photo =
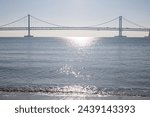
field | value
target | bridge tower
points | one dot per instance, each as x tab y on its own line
120	26
29	28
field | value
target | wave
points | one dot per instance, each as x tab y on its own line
77	89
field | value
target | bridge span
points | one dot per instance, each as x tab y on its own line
120	28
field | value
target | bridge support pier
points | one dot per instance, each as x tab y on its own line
29	29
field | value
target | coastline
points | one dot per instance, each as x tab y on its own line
48	96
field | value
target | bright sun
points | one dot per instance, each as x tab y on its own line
80	41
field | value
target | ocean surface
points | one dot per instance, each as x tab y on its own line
75	66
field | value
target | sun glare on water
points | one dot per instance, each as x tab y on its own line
80	41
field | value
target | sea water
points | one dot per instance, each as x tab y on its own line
75	65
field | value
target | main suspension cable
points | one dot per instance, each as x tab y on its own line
14	21
47	22
104	22
133	23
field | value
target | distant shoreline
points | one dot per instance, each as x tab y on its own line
85	36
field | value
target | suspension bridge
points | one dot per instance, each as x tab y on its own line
97	27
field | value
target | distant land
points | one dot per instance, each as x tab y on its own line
116	37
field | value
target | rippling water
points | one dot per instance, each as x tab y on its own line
75	65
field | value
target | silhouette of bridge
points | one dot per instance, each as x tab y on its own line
97	27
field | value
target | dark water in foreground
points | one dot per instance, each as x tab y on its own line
88	66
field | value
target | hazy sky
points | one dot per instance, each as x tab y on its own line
75	13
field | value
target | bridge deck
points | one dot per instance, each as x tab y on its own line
74	28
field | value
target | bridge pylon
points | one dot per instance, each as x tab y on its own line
120	26
29	28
